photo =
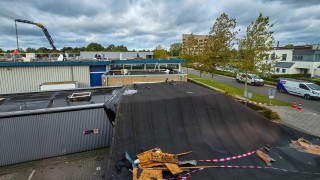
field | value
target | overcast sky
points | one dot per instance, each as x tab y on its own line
144	24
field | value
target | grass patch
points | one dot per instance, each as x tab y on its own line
230	90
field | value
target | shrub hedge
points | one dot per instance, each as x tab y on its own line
264	112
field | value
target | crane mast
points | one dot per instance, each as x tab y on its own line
44	29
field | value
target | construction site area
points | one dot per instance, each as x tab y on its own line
169	130
125	116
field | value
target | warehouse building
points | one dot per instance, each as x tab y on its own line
17	77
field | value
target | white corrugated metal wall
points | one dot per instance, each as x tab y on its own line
22	79
37	136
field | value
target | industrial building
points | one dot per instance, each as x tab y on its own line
17	77
39	125
116	55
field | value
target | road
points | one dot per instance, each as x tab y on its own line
313	105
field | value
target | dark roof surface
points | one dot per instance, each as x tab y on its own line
50	99
284	64
186	117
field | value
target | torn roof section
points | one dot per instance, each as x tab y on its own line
181	117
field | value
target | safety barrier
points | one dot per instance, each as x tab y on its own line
252	102
188	174
228	158
294	104
299	106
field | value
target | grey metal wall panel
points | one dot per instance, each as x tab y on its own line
22	79
82	75
125	55
27	138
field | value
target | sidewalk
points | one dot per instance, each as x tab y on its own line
304	120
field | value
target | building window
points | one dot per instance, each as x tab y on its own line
273	56
277	70
284	57
283	70
298	57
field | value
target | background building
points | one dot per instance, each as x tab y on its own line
202	40
17	77
296	60
116	55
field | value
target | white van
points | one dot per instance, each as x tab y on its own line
305	89
252	79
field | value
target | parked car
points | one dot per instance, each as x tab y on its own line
252	79
308	90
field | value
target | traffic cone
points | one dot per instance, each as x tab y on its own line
299	107
294	104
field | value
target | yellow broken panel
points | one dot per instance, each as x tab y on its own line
306	146
152	164
156	157
164	157
173	168
266	158
146	174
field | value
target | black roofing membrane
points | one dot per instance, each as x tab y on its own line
180	117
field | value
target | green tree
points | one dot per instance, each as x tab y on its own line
77	50
94	47
160	53
255	45
218	49
121	48
43	50
111	47
31	50
190	50
175	49
68	49
289	46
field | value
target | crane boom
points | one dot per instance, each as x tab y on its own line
44	29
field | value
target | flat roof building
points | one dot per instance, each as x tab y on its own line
17	77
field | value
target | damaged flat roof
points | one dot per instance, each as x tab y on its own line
51	99
180	117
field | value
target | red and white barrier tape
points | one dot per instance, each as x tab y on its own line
246	167
228	158
252	102
187	175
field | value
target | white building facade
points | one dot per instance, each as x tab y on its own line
291	61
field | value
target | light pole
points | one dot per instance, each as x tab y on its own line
17	35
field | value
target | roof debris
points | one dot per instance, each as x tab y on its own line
150	164
266	158
306	146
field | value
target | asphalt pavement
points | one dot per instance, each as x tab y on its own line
311	105
80	166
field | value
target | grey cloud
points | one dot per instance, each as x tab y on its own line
146	24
